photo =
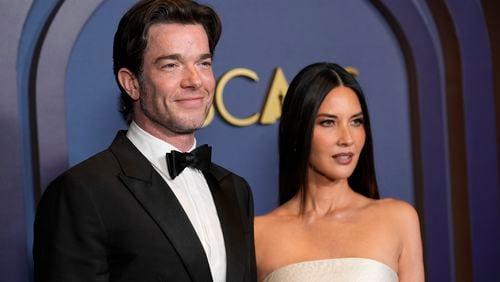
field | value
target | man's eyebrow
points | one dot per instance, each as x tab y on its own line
205	56
175	57
178	57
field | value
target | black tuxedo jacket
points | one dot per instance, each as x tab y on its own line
113	218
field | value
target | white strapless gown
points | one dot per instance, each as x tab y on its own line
334	270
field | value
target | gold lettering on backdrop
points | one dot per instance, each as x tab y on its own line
219	101
271	111
352	70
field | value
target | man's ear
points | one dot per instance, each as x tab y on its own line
129	83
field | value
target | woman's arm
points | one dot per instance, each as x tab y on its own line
411	266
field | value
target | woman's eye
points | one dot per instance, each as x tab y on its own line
358	122
327	122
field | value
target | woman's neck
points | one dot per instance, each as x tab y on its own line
322	200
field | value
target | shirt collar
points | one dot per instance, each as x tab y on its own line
153	148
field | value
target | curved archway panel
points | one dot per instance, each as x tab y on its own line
481	136
53	60
419	32
13	219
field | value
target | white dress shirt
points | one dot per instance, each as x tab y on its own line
192	192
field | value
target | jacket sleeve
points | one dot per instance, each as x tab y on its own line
69	235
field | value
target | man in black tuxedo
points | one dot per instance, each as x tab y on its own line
144	210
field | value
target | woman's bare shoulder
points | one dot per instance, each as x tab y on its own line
398	207
403	217
261	221
274	223
397	212
279	214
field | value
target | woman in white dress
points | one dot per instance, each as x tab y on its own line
331	224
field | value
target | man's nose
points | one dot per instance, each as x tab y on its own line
191	78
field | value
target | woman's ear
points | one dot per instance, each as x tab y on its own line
129	83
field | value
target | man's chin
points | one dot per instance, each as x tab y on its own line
185	131
187	128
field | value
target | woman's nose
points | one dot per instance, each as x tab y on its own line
345	136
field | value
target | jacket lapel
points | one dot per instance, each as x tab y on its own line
230	217
159	201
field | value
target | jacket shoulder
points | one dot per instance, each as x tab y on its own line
221	172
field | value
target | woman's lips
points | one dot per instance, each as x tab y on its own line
343	158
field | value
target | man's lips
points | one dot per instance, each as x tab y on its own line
191	101
190	98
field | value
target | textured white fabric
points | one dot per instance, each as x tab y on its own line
193	193
334	270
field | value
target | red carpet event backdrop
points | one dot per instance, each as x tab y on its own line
430	71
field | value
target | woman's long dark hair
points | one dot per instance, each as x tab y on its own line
304	96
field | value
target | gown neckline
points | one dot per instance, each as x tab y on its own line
305	262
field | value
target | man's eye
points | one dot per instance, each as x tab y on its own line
169	66
206	64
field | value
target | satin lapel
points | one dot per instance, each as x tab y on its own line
231	222
160	203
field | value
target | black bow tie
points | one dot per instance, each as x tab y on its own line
198	158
